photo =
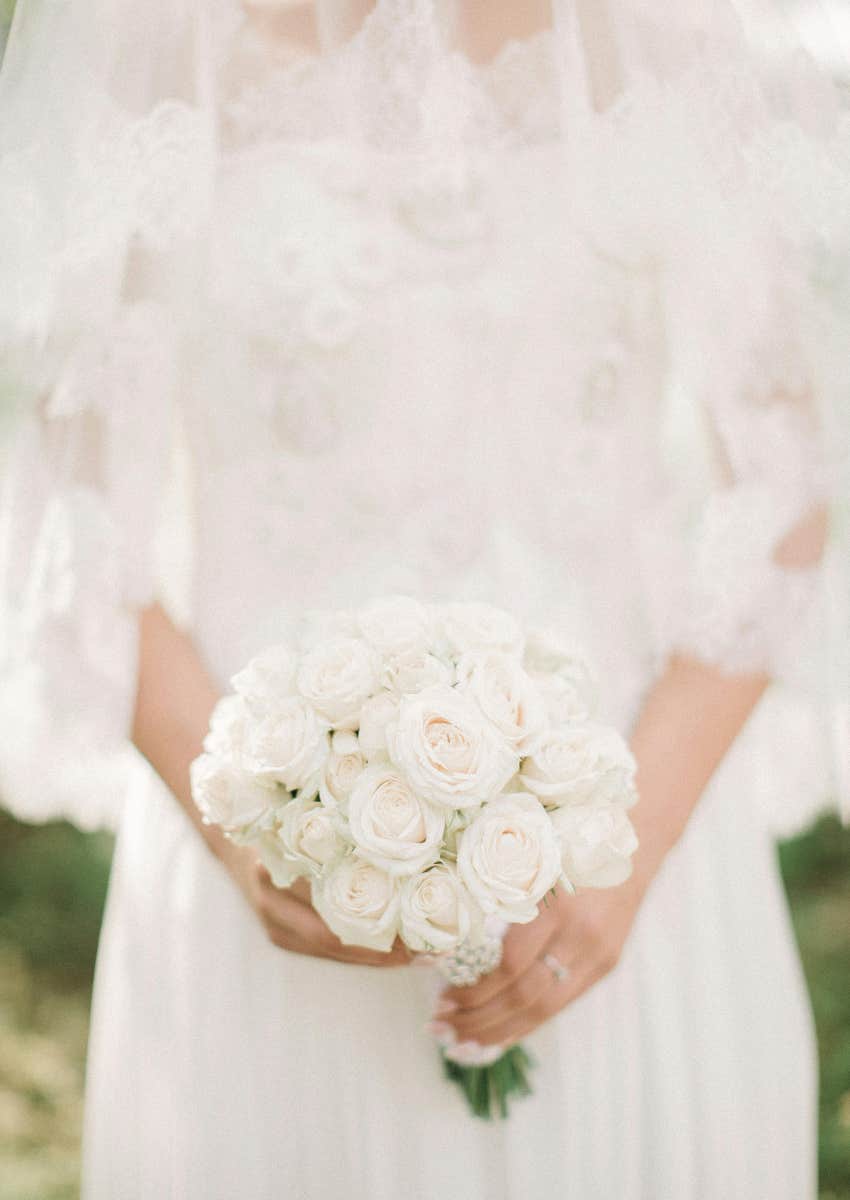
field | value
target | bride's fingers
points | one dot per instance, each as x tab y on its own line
523	993
555	996
522	945
302	890
289	912
292	924
281	907
398	956
350	955
329	946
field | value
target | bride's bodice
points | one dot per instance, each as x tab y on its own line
409	380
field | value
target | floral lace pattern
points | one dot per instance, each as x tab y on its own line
150	176
740	607
430	355
512	100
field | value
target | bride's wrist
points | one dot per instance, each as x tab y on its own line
648	859
219	845
659	821
214	838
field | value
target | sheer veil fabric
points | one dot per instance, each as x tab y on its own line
698	143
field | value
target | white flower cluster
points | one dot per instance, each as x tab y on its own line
425	766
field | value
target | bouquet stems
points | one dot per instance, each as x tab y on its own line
488	1089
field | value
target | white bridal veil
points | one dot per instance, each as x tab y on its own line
698	140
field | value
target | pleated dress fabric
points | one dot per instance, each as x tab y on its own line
221	1066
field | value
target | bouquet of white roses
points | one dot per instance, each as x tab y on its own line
435	771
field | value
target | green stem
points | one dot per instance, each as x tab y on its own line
488	1089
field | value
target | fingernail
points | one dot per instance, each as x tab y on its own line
439	1029
445	1006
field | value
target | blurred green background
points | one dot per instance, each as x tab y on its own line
52	885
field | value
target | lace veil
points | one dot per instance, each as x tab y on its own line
699	141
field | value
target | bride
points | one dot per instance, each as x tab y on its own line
512	303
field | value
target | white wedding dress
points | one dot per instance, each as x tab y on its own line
391	383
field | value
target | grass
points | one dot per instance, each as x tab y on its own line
816	868
52	886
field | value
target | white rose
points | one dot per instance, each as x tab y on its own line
227	795
584	764
267	679
226	735
341	769
337	677
563	675
413	672
448	752
282	868
360	903
565	703
505	694
377	714
390	826
437	911
509	857
395	625
470	626
597	844
290	746
310	832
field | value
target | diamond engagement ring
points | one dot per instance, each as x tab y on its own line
557	968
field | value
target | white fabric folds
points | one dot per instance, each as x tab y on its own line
696	148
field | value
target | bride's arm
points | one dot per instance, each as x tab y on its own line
175	698
688	722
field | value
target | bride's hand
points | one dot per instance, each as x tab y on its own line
291	922
688	721
578	938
